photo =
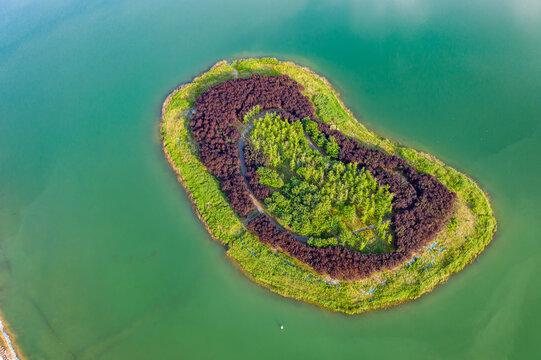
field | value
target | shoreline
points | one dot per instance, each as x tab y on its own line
9	350
384	143
169	159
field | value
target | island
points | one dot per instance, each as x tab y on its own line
309	202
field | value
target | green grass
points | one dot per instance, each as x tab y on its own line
450	252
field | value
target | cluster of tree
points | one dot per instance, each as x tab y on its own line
329	143
254	159
323	242
281	141
248	116
269	177
320	191
421	203
302	207
214	125
336	261
352	240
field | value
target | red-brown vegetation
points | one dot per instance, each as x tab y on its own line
421	203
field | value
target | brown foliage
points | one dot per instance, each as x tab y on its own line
421	203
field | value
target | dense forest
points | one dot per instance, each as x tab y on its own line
320	197
420	203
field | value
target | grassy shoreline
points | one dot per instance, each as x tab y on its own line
448	254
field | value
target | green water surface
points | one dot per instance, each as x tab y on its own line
101	256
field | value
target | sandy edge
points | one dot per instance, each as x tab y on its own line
5	352
236	263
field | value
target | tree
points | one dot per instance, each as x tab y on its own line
348	211
269	177
332	148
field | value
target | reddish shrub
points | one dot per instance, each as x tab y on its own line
421	204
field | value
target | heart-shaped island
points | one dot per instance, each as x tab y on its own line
309	202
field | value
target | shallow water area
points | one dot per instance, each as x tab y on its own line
101	256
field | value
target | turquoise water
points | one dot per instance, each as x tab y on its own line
101	256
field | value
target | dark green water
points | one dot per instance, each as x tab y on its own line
100	254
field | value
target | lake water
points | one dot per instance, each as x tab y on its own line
101	256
